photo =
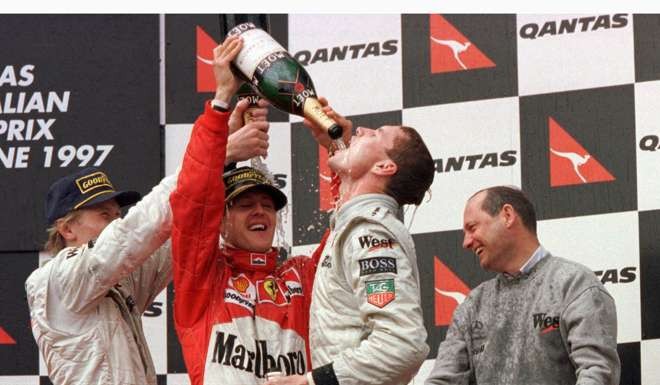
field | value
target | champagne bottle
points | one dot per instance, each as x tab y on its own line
280	78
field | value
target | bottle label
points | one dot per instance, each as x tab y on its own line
258	46
314	112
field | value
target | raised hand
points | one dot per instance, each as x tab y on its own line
225	81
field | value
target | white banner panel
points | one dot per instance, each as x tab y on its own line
647	127
570	52
474	145
650	357
354	60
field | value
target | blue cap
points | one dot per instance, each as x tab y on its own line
83	188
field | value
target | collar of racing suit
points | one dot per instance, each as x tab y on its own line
247	260
380	203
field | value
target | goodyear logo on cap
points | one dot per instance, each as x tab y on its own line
246	175
92	181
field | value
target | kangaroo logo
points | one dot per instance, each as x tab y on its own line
567	166
455	47
451	51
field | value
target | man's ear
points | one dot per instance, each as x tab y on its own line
509	214
385	167
223	225
66	231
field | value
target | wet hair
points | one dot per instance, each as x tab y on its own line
498	196
415	168
56	242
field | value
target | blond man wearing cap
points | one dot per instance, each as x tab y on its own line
86	303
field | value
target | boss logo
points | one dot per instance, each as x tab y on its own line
376	265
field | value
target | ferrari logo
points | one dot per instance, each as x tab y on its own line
271	288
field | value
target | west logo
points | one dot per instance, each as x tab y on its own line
377	265
355	51
470	162
451	51
368	241
583	24
626	275
450	291
226	351
570	163
205	46
545	322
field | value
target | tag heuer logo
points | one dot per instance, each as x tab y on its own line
380	292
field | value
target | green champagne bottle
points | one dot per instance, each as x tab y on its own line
280	78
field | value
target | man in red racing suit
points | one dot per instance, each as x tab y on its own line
237	314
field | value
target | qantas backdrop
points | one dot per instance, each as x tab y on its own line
564	106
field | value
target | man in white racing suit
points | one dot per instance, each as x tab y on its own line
86	303
366	324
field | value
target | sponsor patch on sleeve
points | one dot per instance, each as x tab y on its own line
371	243
380	292
375	265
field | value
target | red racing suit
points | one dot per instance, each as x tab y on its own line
236	313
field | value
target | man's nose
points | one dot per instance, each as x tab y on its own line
259	208
467	241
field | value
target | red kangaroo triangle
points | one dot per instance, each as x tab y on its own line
5	338
205	46
570	163
451	51
453	291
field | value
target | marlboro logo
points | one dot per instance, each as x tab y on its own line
380	292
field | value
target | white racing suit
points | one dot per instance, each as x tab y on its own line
366	324
86	303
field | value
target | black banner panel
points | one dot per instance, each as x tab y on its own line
579	151
75	91
456	58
